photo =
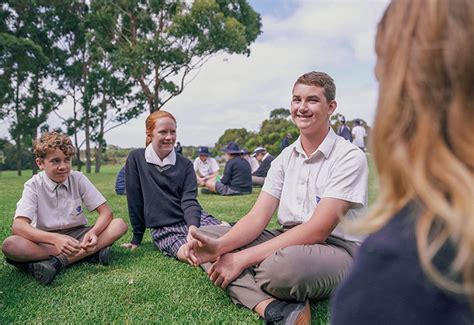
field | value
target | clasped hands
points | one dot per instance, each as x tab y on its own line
70	246
203	249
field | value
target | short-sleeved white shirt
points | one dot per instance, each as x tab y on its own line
51	206
359	134
208	167
254	164
337	169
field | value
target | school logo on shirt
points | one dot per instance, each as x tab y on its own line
318	199
78	210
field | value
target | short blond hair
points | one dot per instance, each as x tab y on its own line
51	141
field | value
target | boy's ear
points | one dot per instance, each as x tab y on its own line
39	163
332	107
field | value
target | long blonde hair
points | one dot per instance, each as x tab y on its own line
422	138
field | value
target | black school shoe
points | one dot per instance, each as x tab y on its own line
43	271
103	257
288	313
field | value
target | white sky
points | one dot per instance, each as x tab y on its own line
235	91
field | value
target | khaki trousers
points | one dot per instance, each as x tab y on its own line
291	273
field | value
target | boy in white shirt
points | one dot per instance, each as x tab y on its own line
50	229
314	183
205	166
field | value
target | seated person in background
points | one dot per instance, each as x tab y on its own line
161	190
237	178
205	166
265	159
120	182
50	229
252	161
314	183
417	266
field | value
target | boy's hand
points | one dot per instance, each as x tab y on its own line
225	270
129	246
66	244
89	242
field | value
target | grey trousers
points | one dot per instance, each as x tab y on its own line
291	273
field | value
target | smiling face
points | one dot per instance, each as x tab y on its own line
163	136
310	110
56	165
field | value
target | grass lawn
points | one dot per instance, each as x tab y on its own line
142	286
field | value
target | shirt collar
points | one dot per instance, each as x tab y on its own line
325	147
52	185
151	157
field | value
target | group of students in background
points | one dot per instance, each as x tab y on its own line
416	266
241	170
357	135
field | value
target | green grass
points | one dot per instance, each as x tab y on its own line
139	287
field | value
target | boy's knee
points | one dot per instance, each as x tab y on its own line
9	245
119	226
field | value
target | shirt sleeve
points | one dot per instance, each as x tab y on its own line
90	195
134	199
214	166
275	177
195	165
189	203
348	179
27	206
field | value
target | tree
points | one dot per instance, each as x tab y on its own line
269	136
27	52
160	43
280	113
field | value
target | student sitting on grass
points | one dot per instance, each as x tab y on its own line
205	166
50	229
237	178
315	182
161	190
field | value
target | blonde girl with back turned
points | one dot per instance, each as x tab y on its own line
417	267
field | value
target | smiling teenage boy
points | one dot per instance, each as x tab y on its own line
315	182
49	228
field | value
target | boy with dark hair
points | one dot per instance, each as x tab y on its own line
49	228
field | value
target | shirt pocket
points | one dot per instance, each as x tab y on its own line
76	212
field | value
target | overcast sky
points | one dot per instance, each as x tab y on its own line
235	91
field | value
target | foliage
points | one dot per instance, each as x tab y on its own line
28	52
271	132
111	58
160	43
9	160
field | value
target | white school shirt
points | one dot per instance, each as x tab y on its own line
52	206
208	167
254	164
152	157
337	169
359	133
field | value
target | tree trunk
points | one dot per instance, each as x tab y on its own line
76	141
18	116
100	138
87	140
34	130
